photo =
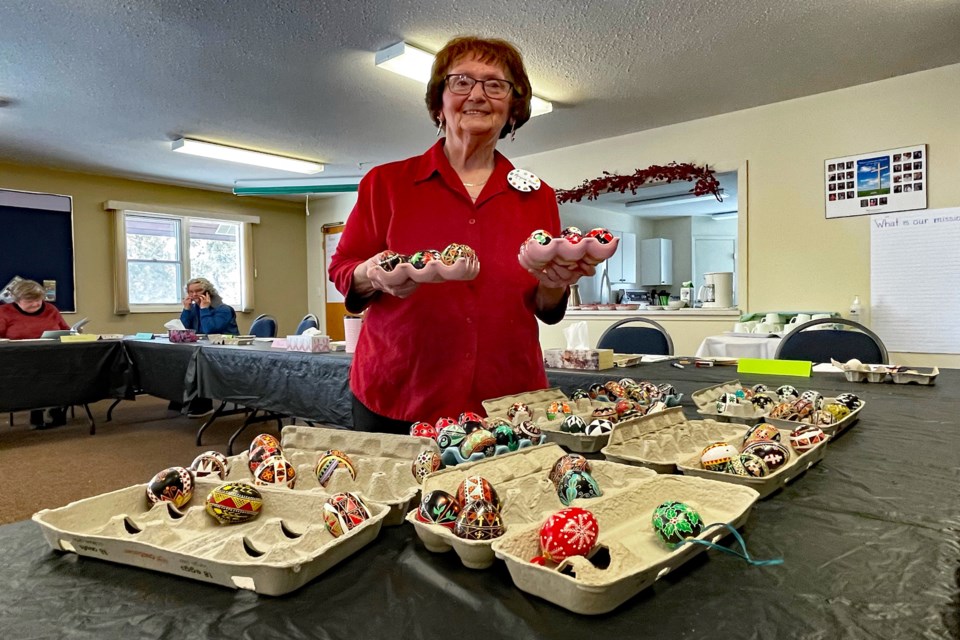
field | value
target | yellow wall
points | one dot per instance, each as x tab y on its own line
279	247
796	258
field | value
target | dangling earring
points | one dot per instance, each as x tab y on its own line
513	130
439	125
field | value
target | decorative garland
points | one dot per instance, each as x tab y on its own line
706	181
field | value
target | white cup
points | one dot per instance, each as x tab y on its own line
351	332
741	327
773	318
765	327
820	316
800	318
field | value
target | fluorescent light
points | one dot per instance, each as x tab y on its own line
244	156
668	201
417	64
333	184
724	215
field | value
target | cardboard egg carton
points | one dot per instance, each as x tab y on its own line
637	557
832	430
281	550
745	413
856	371
683	441
522	482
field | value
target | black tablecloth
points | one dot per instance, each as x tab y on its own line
869	539
59	374
163	369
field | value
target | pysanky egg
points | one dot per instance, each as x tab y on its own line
759	388
451	436
479	441
837	410
787	392
260	454
569	532
275	471
557	408
726	400
573	424
623	406
389	260
541	237
806	437
506	436
443	423
264	440
174	485
752	466
597	391
420	259
599	427
579	394
477	488
615	389
849	400
438	507
667	389
575	484
210	463
517	408
803	408
821	418
528	430
234	503
455	251
783	411
493	423
479	520
566	463
423	430
601	235
573	235
813	397
331	460
716	456
343	512
426	462
605	413
761	431
762	401
469	416
775	454
674	522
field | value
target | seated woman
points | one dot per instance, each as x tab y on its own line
204	310
27	317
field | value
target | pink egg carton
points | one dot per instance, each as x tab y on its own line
534	255
433	271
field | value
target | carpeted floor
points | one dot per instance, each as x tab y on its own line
52	467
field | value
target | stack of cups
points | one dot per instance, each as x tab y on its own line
351	331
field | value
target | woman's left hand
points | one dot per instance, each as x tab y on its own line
557	276
203	299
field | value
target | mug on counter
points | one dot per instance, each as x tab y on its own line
773	318
800	318
768	327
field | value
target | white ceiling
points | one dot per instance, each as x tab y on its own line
104	86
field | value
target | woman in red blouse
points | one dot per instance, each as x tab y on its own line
439	349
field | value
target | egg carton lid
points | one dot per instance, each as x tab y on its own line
521	476
281	550
637	557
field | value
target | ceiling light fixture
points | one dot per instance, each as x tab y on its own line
417	64
667	201
724	215
244	156
332	184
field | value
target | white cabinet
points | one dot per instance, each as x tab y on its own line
656	261
622	266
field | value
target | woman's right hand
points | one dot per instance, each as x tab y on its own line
187	302
365	283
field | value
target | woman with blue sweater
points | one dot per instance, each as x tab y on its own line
204	310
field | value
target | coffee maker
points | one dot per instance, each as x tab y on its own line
717	290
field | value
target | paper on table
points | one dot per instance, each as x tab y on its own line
826	367
655	358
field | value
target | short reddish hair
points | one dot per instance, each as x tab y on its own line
489	51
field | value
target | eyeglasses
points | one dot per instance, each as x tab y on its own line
462	85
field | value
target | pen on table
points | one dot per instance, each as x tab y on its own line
677	365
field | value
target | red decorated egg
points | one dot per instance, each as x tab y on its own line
438	507
601	235
260	454
210	463
517	408
426	463
566	463
775	454
328	463
540	237
423	430
477	488
760	432
479	441
716	456
275	471
469	416
479	520
174	485
343	512
443	423
234	503
573	235
615	389
264	440
555	409
806	437
569	532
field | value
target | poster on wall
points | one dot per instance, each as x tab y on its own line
876	182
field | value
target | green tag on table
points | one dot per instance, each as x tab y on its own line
143	336
800	368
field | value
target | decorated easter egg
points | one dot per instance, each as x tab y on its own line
275	471
783	411
479	441
493	423
803	408
597	391
735	466
813	397
615	389
443	423
667	389
635	409
575	484
726	400
516	409
599	427
761	431
573	424
469	416
849	400
623	405
605	413
420	259
389	260
426	462
451	436
573	235
557	408
762	401
601	235
656	407
260	454
566	463
541	237
628	383
454	251
234	503
343	512
506	436
528	430
423	430
775	454
837	410
174	485
569	532
821	418
479	520
210	463
674	522
716	456
759	388
329	461
787	392
438	507
477	488
806	437
753	466
579	394
264	440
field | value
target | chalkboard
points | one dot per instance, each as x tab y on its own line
36	242
914	270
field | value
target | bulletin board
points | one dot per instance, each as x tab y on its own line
876	182
335	308
914	270
36	242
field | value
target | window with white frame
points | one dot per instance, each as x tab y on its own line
159	251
